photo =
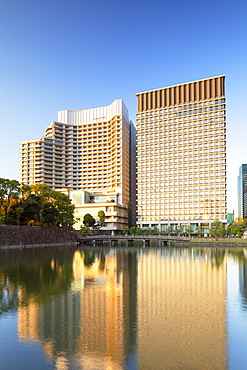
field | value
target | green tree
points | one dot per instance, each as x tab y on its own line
101	216
147	231
237	227
132	230
88	220
84	230
19	211
138	231
25	190
32	207
217	229
24	203
125	230
9	191
42	190
155	231
64	207
49	214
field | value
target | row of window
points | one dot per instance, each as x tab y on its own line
204	201
182	207
179	123
187	146
210	196
211	212
208	165
194	115
179	129
191	176
211	174
184	107
183	158
175	189
181	139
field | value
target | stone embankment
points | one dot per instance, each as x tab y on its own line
36	236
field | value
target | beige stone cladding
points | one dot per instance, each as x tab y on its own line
90	149
116	215
181	154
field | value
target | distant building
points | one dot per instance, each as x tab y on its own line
91	150
242	188
230	217
181	155
245	205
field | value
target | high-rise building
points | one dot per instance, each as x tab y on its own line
242	189
181	155
91	150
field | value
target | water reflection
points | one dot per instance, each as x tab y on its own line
243	279
181	310
122	308
81	309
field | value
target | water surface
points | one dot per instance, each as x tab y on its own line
123	308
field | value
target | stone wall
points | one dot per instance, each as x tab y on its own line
35	236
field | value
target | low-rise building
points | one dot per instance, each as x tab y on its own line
116	214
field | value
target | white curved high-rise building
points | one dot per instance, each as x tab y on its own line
91	149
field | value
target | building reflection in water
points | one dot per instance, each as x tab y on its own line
8	294
243	278
107	311
166	308
90	325
182	310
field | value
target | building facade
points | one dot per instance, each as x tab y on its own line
242	189
116	214
181	155
92	150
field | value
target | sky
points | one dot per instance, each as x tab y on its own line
80	54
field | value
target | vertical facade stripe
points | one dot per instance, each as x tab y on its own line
184	93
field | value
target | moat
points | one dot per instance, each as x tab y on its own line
123	308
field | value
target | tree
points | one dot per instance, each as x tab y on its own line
84	230
147	231
155	231
25	190
125	230
19	211
101	216
9	191
217	229
49	214
64	207
34	203
32	208
132	230
88	220
42	190
138	231
237	227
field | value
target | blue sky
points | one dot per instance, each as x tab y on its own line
78	54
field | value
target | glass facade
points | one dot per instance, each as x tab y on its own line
242	188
